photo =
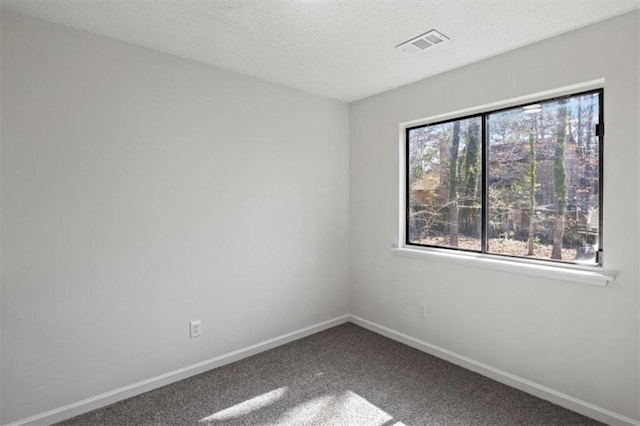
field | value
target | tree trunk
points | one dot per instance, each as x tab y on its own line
532	185
558	232
471	181
560	181
453	186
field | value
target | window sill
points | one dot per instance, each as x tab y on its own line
593	276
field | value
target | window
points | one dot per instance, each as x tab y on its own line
522	182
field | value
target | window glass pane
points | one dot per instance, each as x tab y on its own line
445	183
543	180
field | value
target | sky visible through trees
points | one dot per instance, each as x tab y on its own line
542	181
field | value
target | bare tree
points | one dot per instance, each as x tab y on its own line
533	135
560	181
453	186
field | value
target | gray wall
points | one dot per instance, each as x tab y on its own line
574	338
145	191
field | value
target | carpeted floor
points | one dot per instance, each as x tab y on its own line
346	375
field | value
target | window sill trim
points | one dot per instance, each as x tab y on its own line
593	276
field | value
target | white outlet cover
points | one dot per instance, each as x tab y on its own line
423	310
195	328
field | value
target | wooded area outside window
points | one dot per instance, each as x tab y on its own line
525	181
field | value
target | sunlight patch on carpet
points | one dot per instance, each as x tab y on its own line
346	408
246	407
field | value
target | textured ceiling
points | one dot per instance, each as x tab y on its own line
343	49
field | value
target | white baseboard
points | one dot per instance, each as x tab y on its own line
104	399
551	395
567	401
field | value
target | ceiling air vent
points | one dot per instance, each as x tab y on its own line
423	42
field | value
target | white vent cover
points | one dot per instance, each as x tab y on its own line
423	42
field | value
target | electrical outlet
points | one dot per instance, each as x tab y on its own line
423	310
195	328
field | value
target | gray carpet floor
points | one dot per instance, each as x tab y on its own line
346	375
